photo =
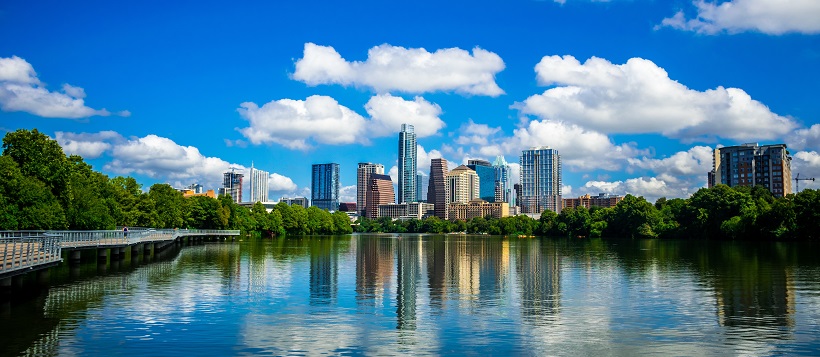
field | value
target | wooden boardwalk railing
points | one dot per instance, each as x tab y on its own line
23	251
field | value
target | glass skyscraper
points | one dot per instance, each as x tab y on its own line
407	164
502	175
540	180
259	185
486	178
324	186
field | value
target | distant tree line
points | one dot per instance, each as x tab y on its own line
42	188
720	212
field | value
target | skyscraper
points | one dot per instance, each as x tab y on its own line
463	185
259	185
379	191
751	164
486	178
232	185
324	186
407	164
437	189
363	173
540	180
502	176
422	181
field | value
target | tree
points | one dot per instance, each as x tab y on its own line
38	156
168	203
25	202
633	217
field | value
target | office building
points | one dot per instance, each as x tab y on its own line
232	185
363	173
380	191
478	208
407	164
502	176
602	200
259	185
298	201
486	178
516	194
540	180
196	188
437	187
462	185
752	164
422	181
406	211
324	186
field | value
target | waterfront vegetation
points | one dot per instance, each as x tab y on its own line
42	188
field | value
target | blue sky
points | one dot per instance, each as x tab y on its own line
633	94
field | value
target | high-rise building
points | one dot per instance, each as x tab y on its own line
324	186
232	185
363	173
516	194
422	181
540	180
486	178
259	185
502	175
299	201
752	164
407	164
196	188
462	184
379	192
437	188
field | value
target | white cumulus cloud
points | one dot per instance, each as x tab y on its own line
774	17
411	70
292	123
805	138
580	149
388	113
650	188
280	184
639	97
685	167
87	145
807	164
22	91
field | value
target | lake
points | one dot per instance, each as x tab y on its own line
389	294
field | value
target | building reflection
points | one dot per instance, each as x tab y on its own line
408	260
323	271
436	252
756	297
493	269
374	268
538	272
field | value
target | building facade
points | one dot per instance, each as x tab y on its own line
486	178
422	183
232	185
462	185
259	185
602	200
478	208
540	180
380	192
752	164
437	188
324	186
407	164
298	201
363	173
502	176
404	211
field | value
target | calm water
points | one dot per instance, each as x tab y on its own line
431	295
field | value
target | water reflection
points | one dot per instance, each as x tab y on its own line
434	295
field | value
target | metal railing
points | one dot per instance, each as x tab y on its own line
22	252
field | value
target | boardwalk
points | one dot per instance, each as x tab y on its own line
25	251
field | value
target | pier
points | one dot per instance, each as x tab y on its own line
23	252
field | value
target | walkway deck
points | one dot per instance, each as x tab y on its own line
25	251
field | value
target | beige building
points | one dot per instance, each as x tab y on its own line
462	184
478	208
414	210
602	200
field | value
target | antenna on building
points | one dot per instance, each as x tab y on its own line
797	180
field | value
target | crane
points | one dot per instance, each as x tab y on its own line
797	180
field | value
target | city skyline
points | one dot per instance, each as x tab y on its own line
635	95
